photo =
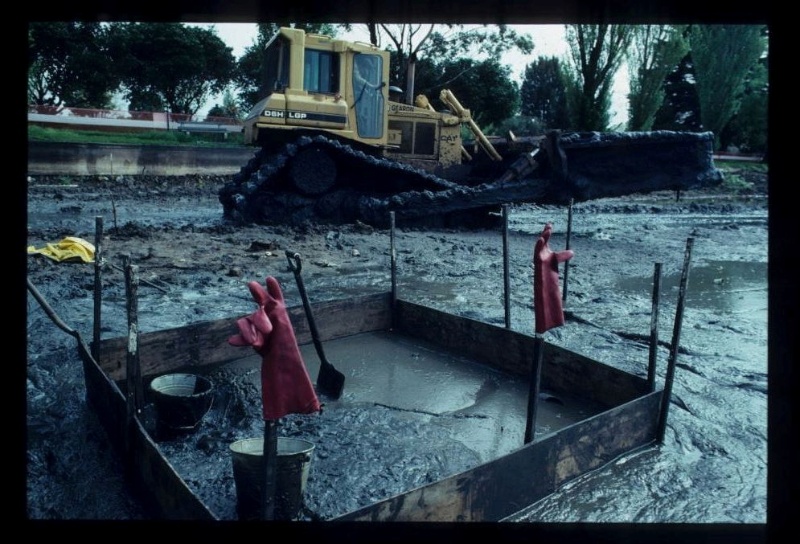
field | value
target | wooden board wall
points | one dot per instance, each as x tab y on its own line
206	343
562	370
502	487
160	489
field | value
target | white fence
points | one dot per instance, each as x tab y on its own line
91	118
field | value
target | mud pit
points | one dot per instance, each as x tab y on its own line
194	267
409	416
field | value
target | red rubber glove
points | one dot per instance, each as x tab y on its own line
285	385
546	294
254	328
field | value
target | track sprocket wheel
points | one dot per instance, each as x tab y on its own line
313	171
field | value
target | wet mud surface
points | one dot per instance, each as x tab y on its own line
193	267
363	453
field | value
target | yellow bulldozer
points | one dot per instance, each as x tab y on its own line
335	143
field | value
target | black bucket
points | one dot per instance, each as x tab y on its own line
181	400
294	461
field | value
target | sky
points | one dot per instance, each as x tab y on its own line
548	40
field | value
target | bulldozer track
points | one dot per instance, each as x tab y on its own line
320	179
293	182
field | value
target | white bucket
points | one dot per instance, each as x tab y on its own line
294	460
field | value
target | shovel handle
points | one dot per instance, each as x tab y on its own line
295	264
329	380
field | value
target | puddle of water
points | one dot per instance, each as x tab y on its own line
483	408
732	287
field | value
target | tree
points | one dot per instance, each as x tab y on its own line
170	65
485	87
680	109
68	65
596	52
520	125
655	51
247	76
543	93
229	107
146	100
723	56
249	69
413	42
748	128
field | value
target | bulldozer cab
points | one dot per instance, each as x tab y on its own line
317	83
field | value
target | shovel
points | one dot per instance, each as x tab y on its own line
329	380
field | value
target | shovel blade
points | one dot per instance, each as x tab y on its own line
330	381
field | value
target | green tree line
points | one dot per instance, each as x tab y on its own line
682	77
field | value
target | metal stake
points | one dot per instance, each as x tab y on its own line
393	255
270	469
652	361
98	286
676	334
506	279
566	264
533	391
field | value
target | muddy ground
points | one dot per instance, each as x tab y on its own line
193	267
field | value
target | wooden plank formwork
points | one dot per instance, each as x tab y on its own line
488	492
159	487
503	486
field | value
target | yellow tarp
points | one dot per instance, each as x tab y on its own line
68	249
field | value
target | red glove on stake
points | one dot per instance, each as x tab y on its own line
254	328
285	385
546	294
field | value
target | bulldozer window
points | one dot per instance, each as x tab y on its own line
320	74
368	92
276	66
